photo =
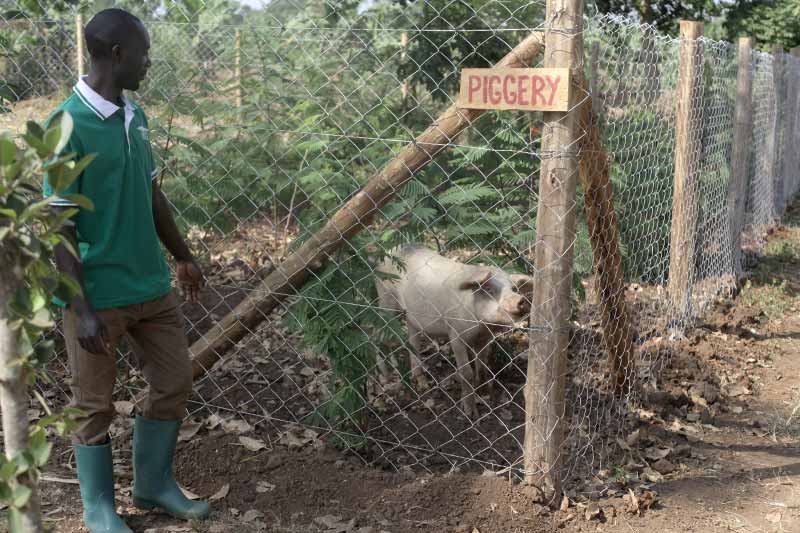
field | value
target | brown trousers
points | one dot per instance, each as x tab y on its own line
156	331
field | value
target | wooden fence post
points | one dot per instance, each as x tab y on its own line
740	158
793	132
687	156
553	258
403	55
789	117
80	46
780	122
238	68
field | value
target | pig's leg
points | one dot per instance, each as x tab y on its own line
482	371
464	356
417	370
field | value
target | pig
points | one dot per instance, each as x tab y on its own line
465	305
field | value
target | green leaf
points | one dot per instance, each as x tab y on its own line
10	213
38	299
22	301
49	283
313	145
59	220
8	151
35	130
42	319
81	200
48	420
6	92
193	145
73	172
24	345
61	159
68	288
66	243
15	524
43	351
33	248
7	471
466	194
36	144
35	208
59	132
40	448
21	496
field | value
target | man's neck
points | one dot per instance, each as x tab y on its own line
103	86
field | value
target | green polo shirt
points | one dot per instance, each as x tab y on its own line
123	261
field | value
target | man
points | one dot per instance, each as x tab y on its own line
125	280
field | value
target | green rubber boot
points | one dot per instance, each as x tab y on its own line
96	477
153	484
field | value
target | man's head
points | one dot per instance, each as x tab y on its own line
119	46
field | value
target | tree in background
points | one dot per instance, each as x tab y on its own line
770	22
664	15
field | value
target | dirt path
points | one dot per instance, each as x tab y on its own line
747	478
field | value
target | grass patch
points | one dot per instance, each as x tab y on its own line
783	249
772	286
775	298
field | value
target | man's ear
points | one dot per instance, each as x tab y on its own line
474	280
523	283
116	53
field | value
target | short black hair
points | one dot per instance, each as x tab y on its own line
108	28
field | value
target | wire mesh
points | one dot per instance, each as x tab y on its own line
409	345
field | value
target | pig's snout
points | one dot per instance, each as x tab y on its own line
523	308
517	307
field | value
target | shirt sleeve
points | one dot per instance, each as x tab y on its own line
73	145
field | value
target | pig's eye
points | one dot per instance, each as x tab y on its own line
515	290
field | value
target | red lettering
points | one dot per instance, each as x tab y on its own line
522	88
553	86
485	90
509	96
473	85
536	91
495	97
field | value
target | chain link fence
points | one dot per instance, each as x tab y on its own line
408	342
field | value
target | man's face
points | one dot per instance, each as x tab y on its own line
132	59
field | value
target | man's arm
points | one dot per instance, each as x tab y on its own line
190	276
91	332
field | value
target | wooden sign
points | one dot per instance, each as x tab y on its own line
528	89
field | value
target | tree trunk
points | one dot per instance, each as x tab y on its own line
14	404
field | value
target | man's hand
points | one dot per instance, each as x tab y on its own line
191	280
92	333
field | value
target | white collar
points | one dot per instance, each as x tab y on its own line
101	107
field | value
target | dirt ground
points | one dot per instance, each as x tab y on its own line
713	447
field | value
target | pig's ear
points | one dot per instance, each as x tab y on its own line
523	283
475	280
